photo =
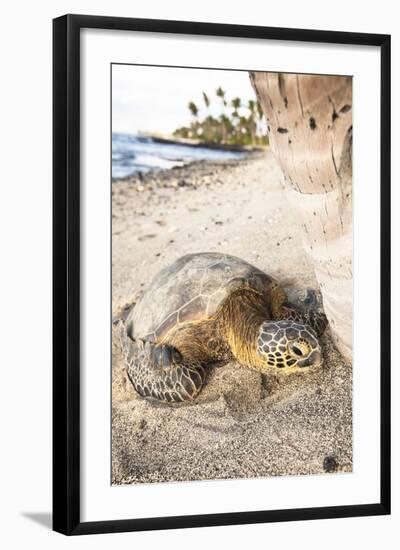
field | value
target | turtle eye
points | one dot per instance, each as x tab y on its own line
297	350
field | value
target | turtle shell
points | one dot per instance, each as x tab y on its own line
192	288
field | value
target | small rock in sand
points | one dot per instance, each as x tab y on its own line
145	237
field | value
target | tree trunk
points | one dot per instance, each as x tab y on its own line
310	129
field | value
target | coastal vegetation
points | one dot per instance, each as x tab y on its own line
221	120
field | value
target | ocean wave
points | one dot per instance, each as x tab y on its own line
132	154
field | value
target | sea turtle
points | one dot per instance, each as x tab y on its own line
207	308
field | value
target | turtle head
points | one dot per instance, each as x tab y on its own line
288	346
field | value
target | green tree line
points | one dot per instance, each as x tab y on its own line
239	122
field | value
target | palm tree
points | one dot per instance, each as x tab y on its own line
193	109
236	103
209	124
251	105
195	112
206	122
221	93
206	100
244	130
226	126
314	150
223	118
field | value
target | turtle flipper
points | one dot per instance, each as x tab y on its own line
160	372
308	312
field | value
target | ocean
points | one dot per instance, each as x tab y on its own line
132	154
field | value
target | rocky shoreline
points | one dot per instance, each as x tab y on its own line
208	145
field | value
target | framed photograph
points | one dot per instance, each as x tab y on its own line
221	274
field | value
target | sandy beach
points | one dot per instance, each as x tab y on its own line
243	424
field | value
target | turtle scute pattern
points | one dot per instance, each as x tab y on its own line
191	289
270	341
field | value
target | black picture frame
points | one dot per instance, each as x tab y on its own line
66	273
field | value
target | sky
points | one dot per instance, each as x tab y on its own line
155	99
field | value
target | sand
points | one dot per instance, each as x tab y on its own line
243	424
